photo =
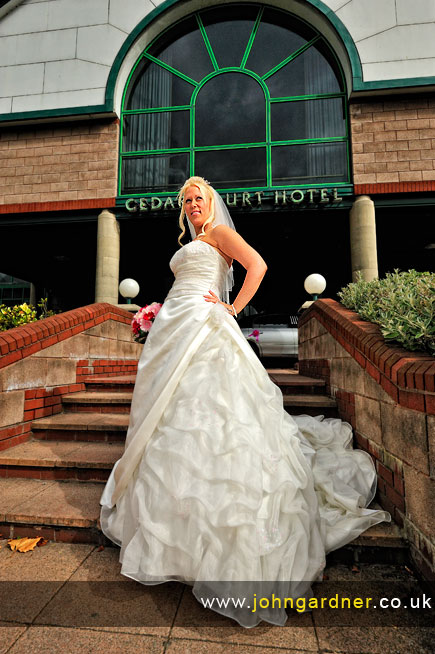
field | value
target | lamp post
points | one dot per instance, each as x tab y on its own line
129	289
314	284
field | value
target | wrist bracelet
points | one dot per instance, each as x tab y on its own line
235	312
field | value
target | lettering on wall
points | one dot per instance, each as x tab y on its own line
245	199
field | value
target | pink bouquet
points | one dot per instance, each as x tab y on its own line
143	320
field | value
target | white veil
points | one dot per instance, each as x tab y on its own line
221	217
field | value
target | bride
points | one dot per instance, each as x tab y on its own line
218	486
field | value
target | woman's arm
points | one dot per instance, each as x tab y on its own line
232	244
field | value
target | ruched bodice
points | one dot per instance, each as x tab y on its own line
198	267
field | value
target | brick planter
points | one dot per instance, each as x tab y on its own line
42	361
388	395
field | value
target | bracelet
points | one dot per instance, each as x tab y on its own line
234	311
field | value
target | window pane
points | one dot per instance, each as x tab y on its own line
153	86
230	108
232	168
277	37
187	53
310	73
156	173
312	163
162	130
310	119
228	32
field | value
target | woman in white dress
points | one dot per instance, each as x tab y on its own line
218	486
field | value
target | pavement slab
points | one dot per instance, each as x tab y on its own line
9	634
58	640
194	622
93	421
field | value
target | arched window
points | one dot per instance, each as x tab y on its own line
246	96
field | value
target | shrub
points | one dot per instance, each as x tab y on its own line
402	304
22	314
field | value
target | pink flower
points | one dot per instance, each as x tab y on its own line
145	325
255	333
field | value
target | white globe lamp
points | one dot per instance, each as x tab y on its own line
129	288
315	285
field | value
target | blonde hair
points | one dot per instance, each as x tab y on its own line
206	191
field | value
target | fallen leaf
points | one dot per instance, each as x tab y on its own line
101	548
23	544
42	542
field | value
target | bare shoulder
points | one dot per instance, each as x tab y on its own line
224	234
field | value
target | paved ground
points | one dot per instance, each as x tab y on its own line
62	598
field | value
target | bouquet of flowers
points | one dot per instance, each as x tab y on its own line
143	320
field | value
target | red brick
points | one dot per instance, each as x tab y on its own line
30	394
395	498
399	484
60	390
7	359
430	404
49	341
389	388
411	400
42	413
385	473
429	379
33	404
28	415
419	374
16	440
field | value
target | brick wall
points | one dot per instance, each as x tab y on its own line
393	141
61	163
41	361
388	396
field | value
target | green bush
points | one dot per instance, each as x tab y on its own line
402	304
22	314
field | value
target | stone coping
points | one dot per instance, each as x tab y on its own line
21	342
408	377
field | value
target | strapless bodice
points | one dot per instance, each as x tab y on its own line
198	267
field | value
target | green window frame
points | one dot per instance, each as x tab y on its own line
192	150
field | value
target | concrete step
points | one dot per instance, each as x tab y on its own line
69	512
79	426
98	402
110	384
311	405
40	459
291	382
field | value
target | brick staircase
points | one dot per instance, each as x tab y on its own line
51	485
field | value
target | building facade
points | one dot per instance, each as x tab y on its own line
314	120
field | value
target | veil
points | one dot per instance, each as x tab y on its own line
221	217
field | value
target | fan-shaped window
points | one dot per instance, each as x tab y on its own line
246	96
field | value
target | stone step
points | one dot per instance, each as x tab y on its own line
69	512
110	384
311	405
292	383
98	402
78	426
40	459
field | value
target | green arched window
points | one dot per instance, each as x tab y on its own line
246	96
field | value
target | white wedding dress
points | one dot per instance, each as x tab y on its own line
217	482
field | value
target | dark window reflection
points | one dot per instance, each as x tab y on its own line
310	73
154	86
187	53
228	32
156	131
310	119
230	108
157	173
312	163
232	168
278	36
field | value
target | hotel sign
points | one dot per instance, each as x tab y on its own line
247	200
